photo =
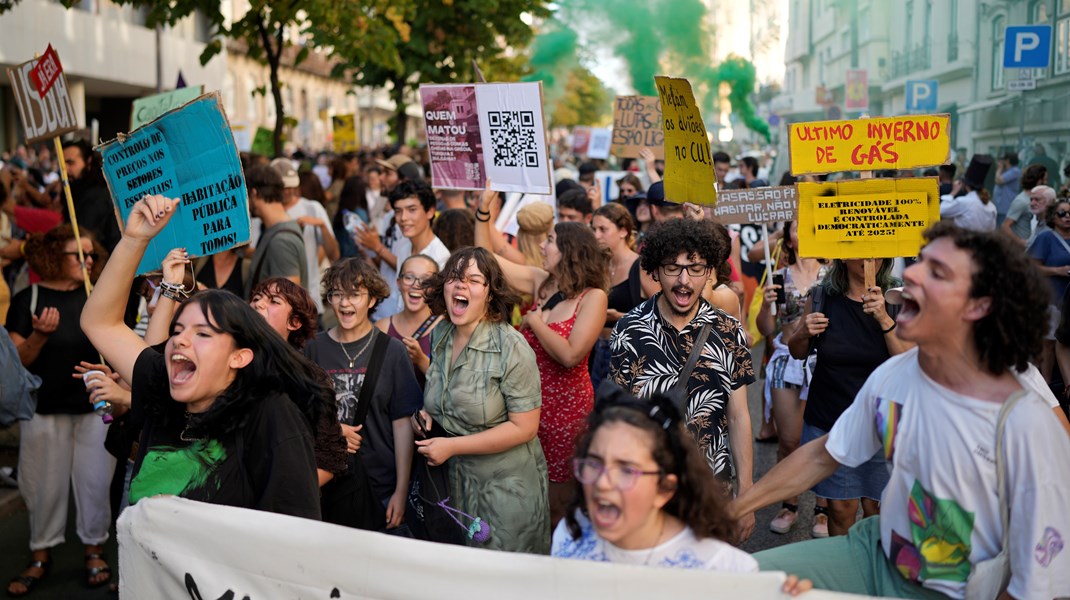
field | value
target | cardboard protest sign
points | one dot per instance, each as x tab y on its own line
637	125
581	140
44	115
601	138
345	133
756	205
487	130
150	107
188	153
689	173
906	142
263	142
866	218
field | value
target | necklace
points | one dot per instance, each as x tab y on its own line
353	359
656	540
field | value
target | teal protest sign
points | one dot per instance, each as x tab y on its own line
188	153
150	107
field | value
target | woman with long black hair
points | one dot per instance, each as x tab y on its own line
229	406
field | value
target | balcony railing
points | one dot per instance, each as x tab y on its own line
917	59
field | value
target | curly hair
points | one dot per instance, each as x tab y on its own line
302	308
723	270
698	500
1053	207
45	252
276	367
1032	176
500	297
617	214
1010	334
351	274
666	240
584	263
456	227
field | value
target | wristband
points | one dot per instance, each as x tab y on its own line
480	218
176	292
889	330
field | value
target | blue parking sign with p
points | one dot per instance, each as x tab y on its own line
1027	47
921	96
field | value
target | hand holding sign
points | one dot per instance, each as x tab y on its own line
149	216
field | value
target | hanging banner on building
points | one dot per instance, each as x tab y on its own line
856	90
689	173
187	153
601	138
906	142
151	107
866	218
240	553
756	205
44	114
581	140
344	129
487	130
637	125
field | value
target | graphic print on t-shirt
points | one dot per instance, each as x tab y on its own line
941	531
177	471
887	416
346	394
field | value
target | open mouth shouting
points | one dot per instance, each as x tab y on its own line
909	308
458	304
682	296
604	514
182	369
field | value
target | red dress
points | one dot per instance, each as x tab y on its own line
567	398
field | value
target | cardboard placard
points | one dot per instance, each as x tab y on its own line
43	117
601	138
637	125
188	152
487	130
866	218
757	205
689	175
149	108
263	142
581	140
906	142
345	133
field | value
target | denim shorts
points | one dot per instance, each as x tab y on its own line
849	483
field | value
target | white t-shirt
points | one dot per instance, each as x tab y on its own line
969	212
940	510
682	551
313	240
402	249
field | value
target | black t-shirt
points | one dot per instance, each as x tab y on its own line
267	464
95	212
234	283
847	353
397	395
66	347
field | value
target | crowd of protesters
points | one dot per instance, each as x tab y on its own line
571	374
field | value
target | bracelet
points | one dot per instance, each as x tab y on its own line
174	291
480	216
889	330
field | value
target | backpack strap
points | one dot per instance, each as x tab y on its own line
371	375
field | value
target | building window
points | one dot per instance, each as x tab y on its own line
1039	15
999	25
1062	38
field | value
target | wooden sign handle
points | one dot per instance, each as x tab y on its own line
870	266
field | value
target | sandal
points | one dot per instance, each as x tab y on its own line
92	573
29	581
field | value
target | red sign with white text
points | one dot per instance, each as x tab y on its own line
47	70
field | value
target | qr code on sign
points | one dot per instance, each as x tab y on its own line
512	135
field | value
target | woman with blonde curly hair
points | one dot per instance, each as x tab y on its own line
64	442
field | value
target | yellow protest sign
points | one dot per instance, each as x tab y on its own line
345	133
689	173
905	142
866	218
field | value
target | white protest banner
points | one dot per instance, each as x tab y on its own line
510	147
756	205
47	116
188	153
601	140
175	548
151	107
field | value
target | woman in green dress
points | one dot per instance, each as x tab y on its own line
483	389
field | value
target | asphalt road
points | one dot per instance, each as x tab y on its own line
66	580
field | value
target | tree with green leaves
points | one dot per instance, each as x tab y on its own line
439	41
584	101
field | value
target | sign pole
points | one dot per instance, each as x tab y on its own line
74	217
768	265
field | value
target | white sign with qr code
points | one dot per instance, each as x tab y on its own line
514	134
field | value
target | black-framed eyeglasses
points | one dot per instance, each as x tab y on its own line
469	279
693	269
337	296
413	281
93	255
623	477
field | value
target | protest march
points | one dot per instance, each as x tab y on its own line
581	314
